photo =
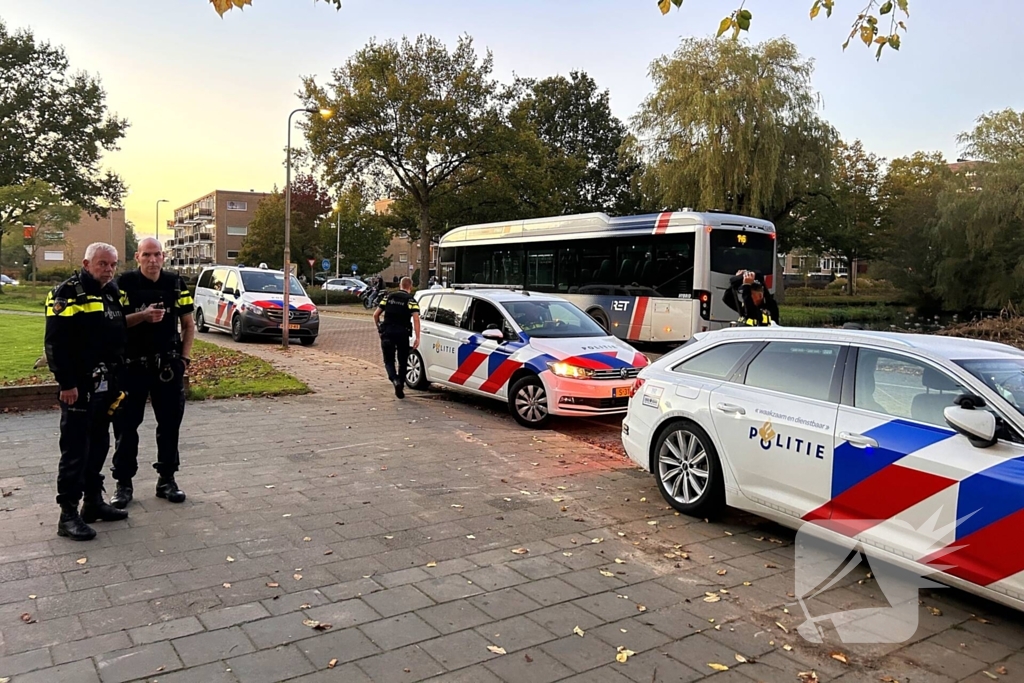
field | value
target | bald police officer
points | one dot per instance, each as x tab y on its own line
401	317
85	336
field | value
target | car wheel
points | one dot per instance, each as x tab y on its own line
688	470
528	401
307	341
416	373
236	329
599	317
201	321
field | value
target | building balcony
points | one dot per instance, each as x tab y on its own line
206	237
206	259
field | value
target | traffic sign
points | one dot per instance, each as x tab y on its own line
325	265
311	262
354	267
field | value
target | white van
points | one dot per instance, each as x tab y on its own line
248	302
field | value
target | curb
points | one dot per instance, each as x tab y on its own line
29	397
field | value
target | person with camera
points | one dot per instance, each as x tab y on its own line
748	296
157	358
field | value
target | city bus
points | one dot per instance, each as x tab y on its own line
650	278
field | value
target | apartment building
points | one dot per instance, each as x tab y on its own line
403	252
210	230
66	248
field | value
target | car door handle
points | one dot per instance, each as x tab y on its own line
858	440
730	408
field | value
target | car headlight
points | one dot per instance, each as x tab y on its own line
258	310
562	369
314	314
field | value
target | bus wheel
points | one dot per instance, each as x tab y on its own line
599	317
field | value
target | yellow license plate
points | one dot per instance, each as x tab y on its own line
293	326
620	392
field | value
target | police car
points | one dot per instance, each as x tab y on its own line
538	352
249	302
912	445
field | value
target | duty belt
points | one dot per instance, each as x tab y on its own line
157	361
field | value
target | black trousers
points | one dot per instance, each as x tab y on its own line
168	399
84	442
395	342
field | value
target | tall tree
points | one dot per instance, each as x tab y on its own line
355	233
845	222
409	116
54	126
733	127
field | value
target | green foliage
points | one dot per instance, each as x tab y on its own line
131	245
334	298
733	127
364	236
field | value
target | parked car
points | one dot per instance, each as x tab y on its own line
539	353
912	444
8	281
345	284
247	302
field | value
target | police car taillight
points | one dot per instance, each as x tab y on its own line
705	303
637	384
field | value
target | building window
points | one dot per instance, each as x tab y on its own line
238	230
232	255
238	206
53	255
403	258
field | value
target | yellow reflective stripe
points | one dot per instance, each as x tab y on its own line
750	321
74	309
185	299
124	298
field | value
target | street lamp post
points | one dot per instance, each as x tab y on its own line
337	247
286	308
157	226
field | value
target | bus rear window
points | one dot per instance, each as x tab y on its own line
732	250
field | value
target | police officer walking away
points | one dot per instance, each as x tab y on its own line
85	336
157	357
401	315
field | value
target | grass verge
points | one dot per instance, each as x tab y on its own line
25	297
21	343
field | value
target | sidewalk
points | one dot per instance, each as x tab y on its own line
349	536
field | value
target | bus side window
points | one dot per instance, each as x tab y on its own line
673	265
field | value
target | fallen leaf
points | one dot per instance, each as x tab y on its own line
740	658
784	629
596	540
288	514
722	572
747	583
653	522
230	559
310	622
623	654
269	486
519	551
1001	670
528	658
991	675
567	554
322	627
839	657
81	560
273	584
605	573
496	650
578	631
431	564
333	663
457	507
297	577
563	509
557	500
27	618
712	598
306	539
560	488
305	605
471	537
980	620
618	561
807	676
787	648
31	597
718	667
641	608
226	585
769	565
936	612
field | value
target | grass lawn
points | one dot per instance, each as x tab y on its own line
215	372
816	316
24	297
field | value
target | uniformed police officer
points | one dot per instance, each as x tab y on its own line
157	357
85	336
748	296
401	316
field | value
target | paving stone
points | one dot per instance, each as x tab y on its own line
538	567
402	577
105	575
42	634
550	591
216	672
229	616
655	666
474	674
516	633
26	661
457	650
562	619
81	671
504	603
604	675
580	654
447	588
401	666
533	666
346	645
495	577
942	660
342	673
90	647
399	631
118	618
397	600
137	662
453	616
632	634
165	630
280	630
970	644
212	645
350	589
269	666
139	590
344	614
609	606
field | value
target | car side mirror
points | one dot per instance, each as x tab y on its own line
236	293
493	334
979	426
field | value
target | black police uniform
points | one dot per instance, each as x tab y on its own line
395	330
154	368
84	340
739	298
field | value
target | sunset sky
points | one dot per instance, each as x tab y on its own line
208	97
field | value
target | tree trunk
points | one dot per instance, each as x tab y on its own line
850	262
425	235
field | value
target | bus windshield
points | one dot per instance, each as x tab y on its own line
732	251
553	319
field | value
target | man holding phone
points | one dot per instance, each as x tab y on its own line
157	357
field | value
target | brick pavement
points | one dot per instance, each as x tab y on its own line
395	523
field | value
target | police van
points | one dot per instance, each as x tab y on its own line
249	302
537	352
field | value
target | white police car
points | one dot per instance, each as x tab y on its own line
911	444
538	352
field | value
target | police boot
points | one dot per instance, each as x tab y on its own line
166	488
399	388
95	509
71	525
122	495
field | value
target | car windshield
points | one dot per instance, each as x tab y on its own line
269	282
553	319
1005	376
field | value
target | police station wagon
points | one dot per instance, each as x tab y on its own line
249	302
912	445
539	353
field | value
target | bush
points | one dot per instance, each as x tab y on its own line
55	274
333	298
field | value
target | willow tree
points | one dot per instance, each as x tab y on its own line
733	127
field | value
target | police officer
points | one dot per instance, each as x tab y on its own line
85	336
157	357
401	316
748	296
